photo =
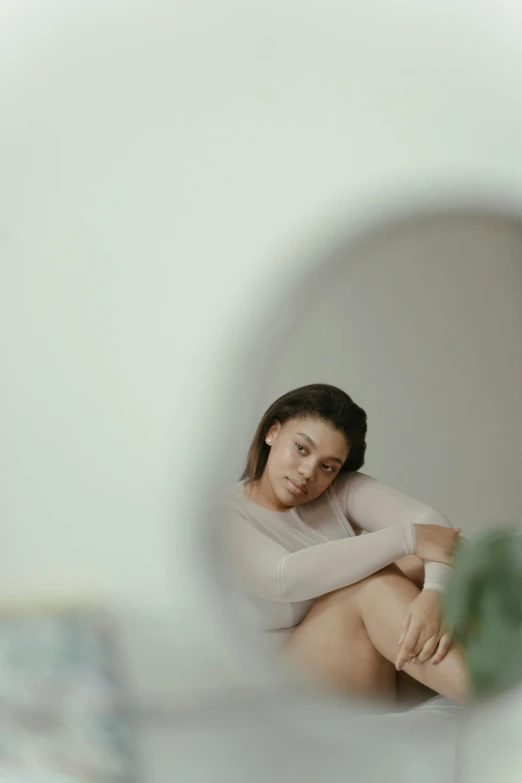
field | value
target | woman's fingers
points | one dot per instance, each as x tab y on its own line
429	648
409	647
442	649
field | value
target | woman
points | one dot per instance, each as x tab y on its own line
345	572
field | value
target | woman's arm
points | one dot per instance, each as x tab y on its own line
373	506
264	568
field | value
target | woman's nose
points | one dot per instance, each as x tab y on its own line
307	470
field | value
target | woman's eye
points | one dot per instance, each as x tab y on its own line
300	448
328	467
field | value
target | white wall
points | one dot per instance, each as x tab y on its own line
165	168
421	324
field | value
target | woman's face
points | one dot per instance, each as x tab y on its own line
305	457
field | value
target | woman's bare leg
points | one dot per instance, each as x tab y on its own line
409	691
412	567
379	603
331	648
383	601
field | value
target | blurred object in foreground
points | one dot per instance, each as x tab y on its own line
60	697
483	606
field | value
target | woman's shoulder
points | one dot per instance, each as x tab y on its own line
235	491
233	497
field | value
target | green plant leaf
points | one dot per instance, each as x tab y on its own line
483	608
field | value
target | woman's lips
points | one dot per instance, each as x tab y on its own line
295	489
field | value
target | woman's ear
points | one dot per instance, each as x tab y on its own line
272	433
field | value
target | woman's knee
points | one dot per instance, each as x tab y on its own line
385	579
390	580
412	567
389	570
389	573
346	596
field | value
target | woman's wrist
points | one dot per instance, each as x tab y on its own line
436	576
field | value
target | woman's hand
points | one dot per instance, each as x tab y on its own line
423	634
436	543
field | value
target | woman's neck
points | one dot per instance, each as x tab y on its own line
261	494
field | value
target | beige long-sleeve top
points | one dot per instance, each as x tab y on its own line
282	561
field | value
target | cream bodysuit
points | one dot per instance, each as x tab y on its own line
281	561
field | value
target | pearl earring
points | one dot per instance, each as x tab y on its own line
269	441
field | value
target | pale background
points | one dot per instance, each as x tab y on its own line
166	169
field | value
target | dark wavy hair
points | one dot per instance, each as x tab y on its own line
316	401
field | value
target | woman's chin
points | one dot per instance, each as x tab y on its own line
289	498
